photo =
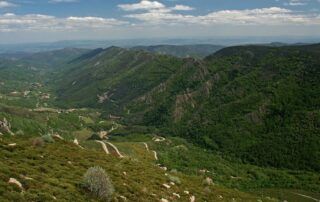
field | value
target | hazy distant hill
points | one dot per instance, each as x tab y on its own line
198	51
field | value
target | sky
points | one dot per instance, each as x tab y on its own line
53	20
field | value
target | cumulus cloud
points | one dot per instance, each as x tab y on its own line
153	6
182	8
143	5
37	22
261	16
5	4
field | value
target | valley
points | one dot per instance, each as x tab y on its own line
241	124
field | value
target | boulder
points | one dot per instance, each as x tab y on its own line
15	182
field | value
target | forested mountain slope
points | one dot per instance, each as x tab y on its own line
256	103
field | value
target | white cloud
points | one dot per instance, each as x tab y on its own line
143	5
182	8
263	16
37	22
5	4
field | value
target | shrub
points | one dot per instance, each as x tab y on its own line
174	179
19	132
48	138
38	142
98	183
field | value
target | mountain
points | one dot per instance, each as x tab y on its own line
257	103
250	102
199	51
240	124
113	77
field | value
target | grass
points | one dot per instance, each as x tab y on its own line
57	170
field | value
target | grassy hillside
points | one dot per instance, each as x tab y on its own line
246	118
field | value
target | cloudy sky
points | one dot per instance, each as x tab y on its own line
51	20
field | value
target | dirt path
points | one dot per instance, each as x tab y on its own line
155	155
104	146
115	149
146	146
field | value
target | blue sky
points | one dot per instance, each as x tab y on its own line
51	20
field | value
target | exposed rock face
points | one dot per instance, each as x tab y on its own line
5	127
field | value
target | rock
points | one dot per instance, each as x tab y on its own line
123	198
172	183
25	177
166	186
176	195
186	192
125	173
146	146
5	127
208	181
12	144
220	197
155	155
76	142
56	135
192	198
15	182
204	171
158	139
164	168
163	200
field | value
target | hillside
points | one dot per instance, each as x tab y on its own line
198	51
249	102
241	124
113	77
259	104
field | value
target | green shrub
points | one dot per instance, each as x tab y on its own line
98	183
174	179
48	138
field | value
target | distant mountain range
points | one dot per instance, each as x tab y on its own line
198	51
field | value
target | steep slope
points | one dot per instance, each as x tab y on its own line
198	51
256	103
113	77
260	104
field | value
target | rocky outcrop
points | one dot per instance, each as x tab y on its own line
5	127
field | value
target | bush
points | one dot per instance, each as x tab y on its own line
98	183
48	138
